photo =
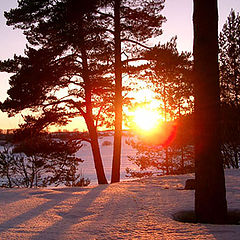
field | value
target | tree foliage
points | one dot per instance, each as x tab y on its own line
69	62
229	57
170	73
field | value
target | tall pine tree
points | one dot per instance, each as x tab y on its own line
229	56
130	24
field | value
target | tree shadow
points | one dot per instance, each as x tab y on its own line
54	199
12	195
74	216
233	217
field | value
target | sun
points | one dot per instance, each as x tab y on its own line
146	119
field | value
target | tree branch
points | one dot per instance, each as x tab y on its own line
136	42
105	14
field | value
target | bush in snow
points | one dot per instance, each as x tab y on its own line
107	143
40	162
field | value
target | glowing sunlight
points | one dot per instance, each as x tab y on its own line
146	119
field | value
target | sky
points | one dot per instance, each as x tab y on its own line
179	22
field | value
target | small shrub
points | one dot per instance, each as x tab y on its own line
107	143
82	182
41	162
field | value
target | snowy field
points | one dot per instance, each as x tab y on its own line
141	209
87	167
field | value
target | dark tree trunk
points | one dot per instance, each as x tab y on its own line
118	96
88	116
210	195
96	151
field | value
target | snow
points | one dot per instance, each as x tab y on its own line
140	209
87	167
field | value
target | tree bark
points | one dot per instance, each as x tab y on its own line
118	96
210	195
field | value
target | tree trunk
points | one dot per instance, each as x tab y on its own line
118	96
96	151
210	195
89	116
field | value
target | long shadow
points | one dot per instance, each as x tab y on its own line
71	217
55	199
10	196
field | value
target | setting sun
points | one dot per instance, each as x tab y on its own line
146	119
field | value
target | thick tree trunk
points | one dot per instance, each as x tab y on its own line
210	195
118	96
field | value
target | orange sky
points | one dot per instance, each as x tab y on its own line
179	22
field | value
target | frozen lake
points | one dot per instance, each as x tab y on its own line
88	168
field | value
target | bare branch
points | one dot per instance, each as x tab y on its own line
105	14
136	42
98	115
134	59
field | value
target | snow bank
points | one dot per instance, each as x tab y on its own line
141	209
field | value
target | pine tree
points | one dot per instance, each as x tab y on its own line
170	75
229	57
70	56
132	24
80	44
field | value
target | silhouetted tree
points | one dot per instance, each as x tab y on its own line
118	95
230	134
71	56
88	45
229	58
134	22
210	194
172	81
169	74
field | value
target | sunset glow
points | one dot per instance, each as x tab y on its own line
146	119
150	126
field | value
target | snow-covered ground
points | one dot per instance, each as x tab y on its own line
141	209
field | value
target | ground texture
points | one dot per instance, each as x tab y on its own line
139	209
